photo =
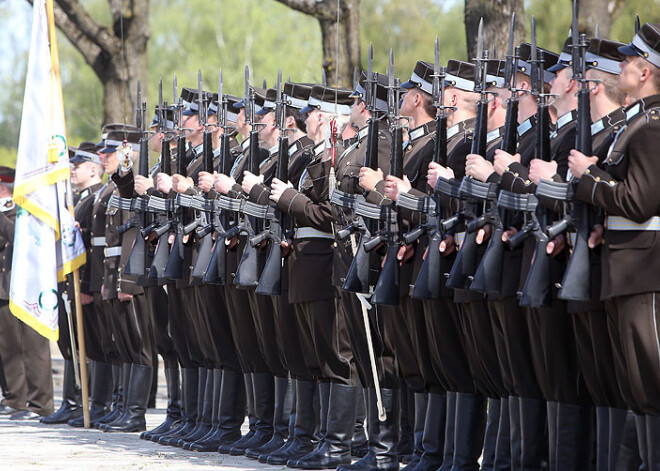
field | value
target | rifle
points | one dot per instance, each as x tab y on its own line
386	291
430	280
247	273
204	205
576	283
161	206
488	277
358	276
174	269
470	190
537	288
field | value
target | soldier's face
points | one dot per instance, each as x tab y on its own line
269	132
408	102
110	163
313	123
356	111
156	142
562	82
630	72
77	176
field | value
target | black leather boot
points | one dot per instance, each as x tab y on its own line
490	437
503	447
126	369
225	447
302	441
173	417
516	433
117	399
205	398
421	404
137	398
71	399
101	393
652	441
153	392
230	413
433	438
360	442
281	411
406	445
533	418
335	448
624	451
214	381
383	435
450	425
603	438
553	419
263	385
469	432
574	437
190	393
324	403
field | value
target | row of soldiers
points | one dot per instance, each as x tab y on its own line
318	256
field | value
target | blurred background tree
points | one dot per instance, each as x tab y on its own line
189	34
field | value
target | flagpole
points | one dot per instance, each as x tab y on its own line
76	273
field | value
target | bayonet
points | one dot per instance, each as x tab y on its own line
324	78
508	68
597	31
480	66
637	24
370	80
201	112
575	43
536	87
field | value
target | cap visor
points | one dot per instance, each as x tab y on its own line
307	109
628	50
408	84
238	104
355	94
263	111
188	112
108	150
557	67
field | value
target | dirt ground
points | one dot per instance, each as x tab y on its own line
29	445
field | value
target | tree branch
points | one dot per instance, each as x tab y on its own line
321	10
96	33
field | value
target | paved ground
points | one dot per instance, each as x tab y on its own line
29	445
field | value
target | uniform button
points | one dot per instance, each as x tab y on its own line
587	172
527	182
612	183
516	174
597	179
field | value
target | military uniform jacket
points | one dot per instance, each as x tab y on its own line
114	279
347	173
562	141
627	187
7	223
459	145
83	215
310	261
96	254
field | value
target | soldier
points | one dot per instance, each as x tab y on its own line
624	189
106	387
130	317
526	405
25	353
86	173
310	288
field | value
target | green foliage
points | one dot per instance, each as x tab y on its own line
8	156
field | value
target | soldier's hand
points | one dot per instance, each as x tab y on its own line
181	184
394	186
277	187
124	296
231	243
286	248
556	245
447	246
506	235
249	180
436	171
223	183
369	178
405	253
86	299
163	183
205	181
483	234
142	184
578	163
541	170
596	236
502	160
478	167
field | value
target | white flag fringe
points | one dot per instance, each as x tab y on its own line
47	244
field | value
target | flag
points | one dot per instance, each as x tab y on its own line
47	244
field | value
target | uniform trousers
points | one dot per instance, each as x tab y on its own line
132	330
263	316
289	340
212	304
159	316
26	365
188	352
324	339
634	321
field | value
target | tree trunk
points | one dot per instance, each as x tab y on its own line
595	12
341	61
497	18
